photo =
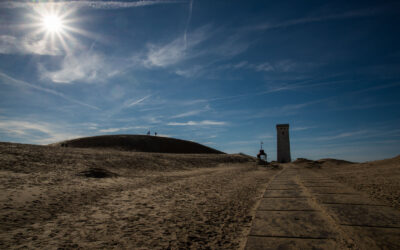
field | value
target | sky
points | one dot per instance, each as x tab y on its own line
221	73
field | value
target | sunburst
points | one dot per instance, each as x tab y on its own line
55	23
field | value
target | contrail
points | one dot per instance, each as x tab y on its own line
138	101
106	5
49	91
187	22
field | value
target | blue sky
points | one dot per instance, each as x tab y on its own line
221	73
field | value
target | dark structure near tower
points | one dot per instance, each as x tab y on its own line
283	143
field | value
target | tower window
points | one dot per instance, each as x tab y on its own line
283	133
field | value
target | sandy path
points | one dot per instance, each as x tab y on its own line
199	208
306	209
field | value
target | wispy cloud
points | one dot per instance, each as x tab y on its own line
273	110
281	66
176	50
186	114
27	45
303	85
265	136
198	123
189	47
81	66
367	106
106	5
112	130
161	56
378	87
190	72
344	135
233	45
305	20
35	132
131	103
22	84
284	110
188	22
192	112
302	128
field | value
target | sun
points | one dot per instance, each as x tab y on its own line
52	23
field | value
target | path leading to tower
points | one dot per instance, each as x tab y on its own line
304	209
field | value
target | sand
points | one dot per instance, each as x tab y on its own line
304	208
155	201
49	199
378	179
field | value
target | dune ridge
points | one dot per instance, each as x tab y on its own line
139	143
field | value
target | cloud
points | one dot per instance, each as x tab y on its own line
302	128
191	113
81	66
26	45
344	135
188	21
90	125
22	84
190	72
282	66
378	87
181	49
285	110
133	103
112	130
169	54
186	114
176	50
265	136
240	65
305	20
35	132
195	101
106	5
197	123
233	45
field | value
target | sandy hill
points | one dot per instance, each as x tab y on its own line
140	143
149	201
141	200
380	179
320	163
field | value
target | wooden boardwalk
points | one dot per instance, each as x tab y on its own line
302	209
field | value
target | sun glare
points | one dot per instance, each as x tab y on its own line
52	23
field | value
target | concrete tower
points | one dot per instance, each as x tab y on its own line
283	143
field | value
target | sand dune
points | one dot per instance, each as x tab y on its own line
152	201
64	197
380	179
139	143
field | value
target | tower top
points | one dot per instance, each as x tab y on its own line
282	125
